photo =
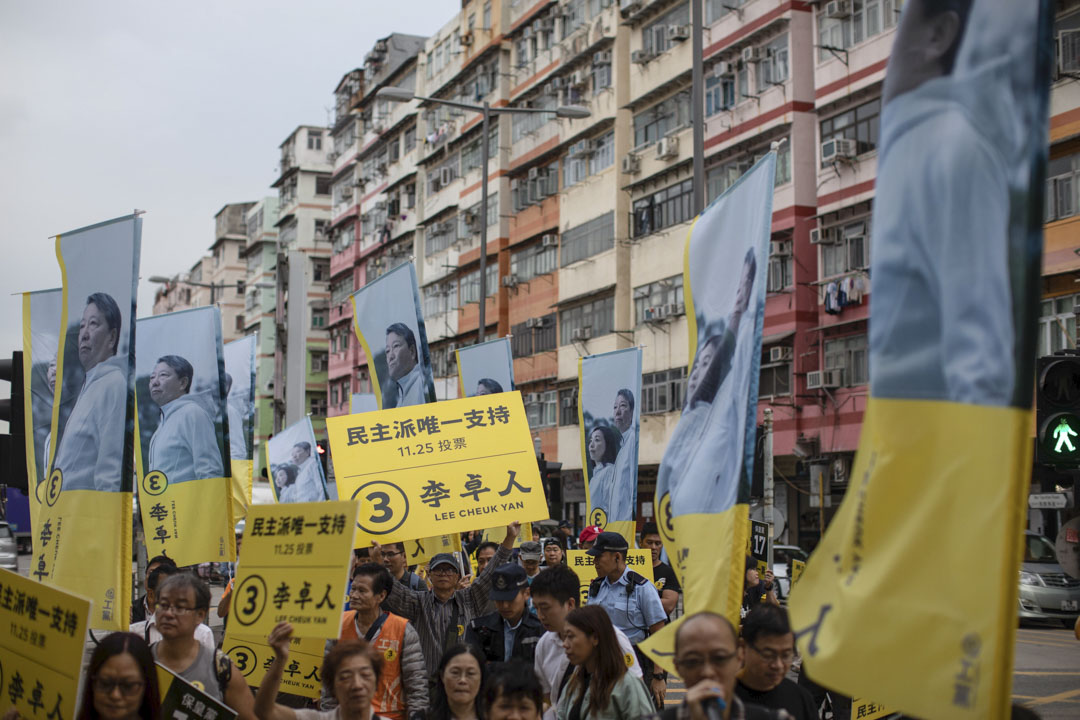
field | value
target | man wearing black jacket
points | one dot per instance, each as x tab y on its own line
511	632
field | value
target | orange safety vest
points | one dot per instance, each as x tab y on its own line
388	701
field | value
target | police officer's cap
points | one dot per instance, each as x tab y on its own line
608	542
507	581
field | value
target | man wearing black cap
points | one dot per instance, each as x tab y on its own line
565	535
440	616
631	601
511	632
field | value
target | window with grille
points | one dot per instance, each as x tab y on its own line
663	391
588	239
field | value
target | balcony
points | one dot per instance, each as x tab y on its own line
347	258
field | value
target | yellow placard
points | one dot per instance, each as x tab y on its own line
240	485
252	656
182	699
437	469
862	709
797	566
498	534
640	561
42	631
295	568
420	550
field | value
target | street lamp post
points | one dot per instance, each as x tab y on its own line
486	111
162	280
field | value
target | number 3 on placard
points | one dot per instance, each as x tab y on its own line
380	506
252	596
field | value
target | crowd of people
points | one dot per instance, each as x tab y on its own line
509	640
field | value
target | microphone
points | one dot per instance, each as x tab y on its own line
714	708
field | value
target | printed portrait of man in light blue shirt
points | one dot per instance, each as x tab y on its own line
406	384
185	444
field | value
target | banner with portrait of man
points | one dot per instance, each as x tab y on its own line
296	474
609	414
41	341
943	468
485	369
703	485
82	541
240	410
182	457
390	326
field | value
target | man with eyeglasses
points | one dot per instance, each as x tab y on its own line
708	658
395	561
441	616
147	629
769	647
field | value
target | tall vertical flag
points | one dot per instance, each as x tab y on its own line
609	412
296	474
41	341
83	538
390	326
240	365
181	454
703	486
925	550
486	368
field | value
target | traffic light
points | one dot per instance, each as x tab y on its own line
320	447
1057	410
13	444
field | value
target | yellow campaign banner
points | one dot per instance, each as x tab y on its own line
181	451
41	647
41	340
295	568
498	534
797	567
420	550
240	486
640	561
251	656
183	700
863	709
438	469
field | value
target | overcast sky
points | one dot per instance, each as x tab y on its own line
172	108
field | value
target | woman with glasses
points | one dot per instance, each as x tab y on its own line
457	688
183	602
600	687
121	681
350	673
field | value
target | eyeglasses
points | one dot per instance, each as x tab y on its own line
443	570
695	663
177	610
105	686
771	656
391	553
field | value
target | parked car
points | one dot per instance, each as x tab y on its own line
782	557
8	549
1046	592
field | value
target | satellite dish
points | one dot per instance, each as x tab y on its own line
779	524
1068	547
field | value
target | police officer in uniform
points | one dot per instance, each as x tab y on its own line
631	601
511	632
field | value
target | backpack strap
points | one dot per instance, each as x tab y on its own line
222	671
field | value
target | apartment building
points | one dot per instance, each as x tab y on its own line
260	299
303	257
225	269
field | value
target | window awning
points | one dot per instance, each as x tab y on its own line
777	337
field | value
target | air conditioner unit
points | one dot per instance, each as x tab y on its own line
677	33
534	322
534	173
569	401
549	241
815	236
674	309
537	26
469	217
445	176
832	378
667	148
467	39
527	33
640	57
601	58
558	83
781	248
723	69
838	9
753	54
346	193
779	354
510	281
631	164
629	6
547	24
381	205
651	313
514	185
579	149
838	148
530	397
813	380
581	333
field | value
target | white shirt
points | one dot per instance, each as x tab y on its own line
90	452
185	444
309	485
625	486
550	663
411	387
237	441
203	633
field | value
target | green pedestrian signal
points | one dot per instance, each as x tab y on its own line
1062	433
